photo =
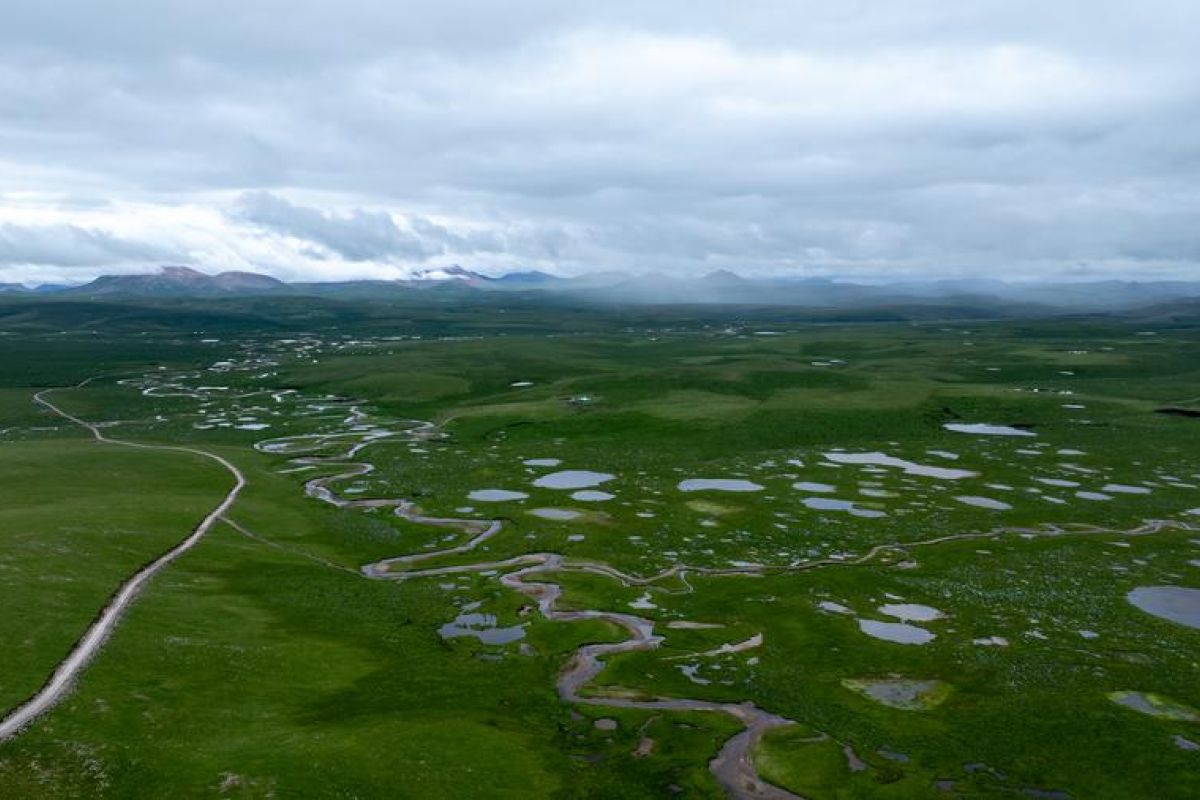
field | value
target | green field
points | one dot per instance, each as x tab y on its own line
265	664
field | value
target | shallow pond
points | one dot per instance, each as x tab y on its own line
718	485
495	495
1155	705
591	496
1059	482
898	632
1175	603
833	504
561	514
909	467
482	627
1120	488
833	608
984	429
901	693
910	612
573	479
807	486
983	502
643	603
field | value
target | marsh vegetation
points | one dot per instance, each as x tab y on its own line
947	566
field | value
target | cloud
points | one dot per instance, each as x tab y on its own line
72	246
857	139
359	235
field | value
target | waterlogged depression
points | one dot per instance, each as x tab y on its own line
897	632
849	506
718	485
573	479
482	627
592	496
909	467
985	429
557	514
910	612
902	693
983	502
1178	604
495	495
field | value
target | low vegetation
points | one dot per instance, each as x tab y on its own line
265	664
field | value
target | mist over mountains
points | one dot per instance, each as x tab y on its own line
722	287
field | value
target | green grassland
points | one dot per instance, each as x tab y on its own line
267	666
93	499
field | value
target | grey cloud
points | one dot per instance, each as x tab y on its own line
682	135
363	234
74	246
357	236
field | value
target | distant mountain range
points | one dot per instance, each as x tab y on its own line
179	281
721	287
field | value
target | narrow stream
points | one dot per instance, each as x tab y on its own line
528	574
733	767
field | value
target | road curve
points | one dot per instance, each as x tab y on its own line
64	675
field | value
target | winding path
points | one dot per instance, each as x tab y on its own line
65	674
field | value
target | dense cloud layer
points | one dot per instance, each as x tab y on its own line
72	246
864	139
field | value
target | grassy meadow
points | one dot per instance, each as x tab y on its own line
265	665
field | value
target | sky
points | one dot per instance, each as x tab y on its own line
378	138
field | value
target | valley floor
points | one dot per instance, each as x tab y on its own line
877	561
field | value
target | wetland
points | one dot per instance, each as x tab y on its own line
731	572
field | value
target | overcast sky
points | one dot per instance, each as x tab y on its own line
1014	138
